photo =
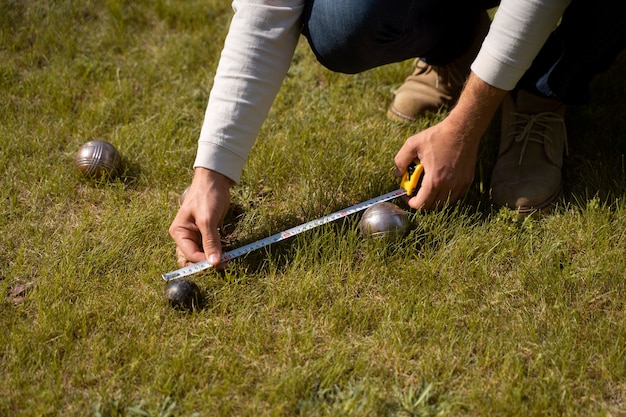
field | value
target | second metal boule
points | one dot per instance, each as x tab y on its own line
384	221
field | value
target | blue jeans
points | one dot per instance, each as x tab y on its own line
351	36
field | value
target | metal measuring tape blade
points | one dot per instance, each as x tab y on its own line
408	185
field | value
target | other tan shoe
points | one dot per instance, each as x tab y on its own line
527	174
432	88
428	88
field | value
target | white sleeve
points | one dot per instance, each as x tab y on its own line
519	30
257	53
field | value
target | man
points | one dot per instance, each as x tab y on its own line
355	35
527	175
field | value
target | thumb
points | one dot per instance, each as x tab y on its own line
212	246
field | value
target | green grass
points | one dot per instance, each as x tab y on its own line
473	314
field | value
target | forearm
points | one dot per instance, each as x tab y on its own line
256	56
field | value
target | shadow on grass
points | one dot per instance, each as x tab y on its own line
128	175
596	166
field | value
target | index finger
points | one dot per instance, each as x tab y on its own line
187	236
405	156
191	250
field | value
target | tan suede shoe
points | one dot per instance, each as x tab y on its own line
428	88
527	175
432	88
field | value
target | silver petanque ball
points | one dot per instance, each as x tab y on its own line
384	221
98	159
183	195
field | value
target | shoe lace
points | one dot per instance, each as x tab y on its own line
535	128
421	67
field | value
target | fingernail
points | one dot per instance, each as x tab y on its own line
214	259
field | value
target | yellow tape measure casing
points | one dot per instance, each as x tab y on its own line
412	178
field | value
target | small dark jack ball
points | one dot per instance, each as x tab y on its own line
182	293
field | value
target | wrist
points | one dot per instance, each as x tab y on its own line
203	175
476	107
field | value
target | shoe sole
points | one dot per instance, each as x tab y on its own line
548	205
397	116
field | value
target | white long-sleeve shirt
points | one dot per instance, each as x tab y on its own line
262	39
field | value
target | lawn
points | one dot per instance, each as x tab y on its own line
471	314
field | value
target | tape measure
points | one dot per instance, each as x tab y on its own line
408	185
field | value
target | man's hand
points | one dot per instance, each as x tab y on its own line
448	150
195	227
448	159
